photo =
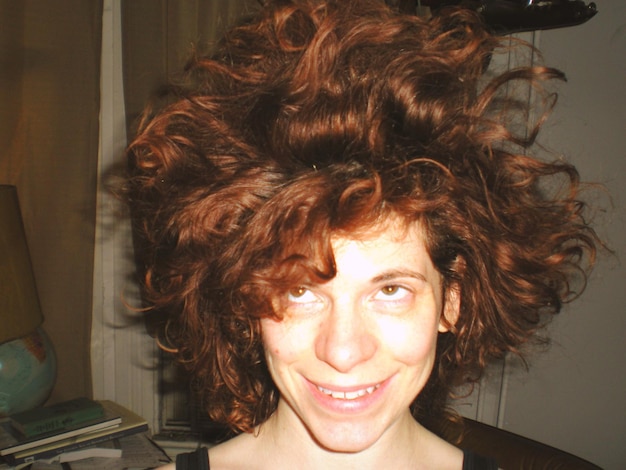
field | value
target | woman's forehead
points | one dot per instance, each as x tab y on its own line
392	226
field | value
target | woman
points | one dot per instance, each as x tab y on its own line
340	227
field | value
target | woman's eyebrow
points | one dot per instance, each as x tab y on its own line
392	274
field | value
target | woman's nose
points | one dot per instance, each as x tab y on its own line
345	339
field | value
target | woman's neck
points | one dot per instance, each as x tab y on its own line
285	442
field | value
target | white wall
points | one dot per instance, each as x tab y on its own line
574	396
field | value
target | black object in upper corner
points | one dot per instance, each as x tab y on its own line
511	16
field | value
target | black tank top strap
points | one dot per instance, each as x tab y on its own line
196	460
472	461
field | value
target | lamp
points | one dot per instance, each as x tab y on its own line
27	359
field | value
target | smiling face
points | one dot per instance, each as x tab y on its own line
351	354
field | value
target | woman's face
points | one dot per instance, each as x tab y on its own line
350	355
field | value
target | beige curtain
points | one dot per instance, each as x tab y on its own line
49	104
158	36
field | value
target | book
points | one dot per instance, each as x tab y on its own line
47	419
108	452
12	441
131	424
138	453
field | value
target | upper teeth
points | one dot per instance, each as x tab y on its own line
348	395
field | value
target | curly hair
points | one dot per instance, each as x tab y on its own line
314	118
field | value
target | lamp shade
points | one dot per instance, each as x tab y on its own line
20	311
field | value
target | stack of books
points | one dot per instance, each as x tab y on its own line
76	427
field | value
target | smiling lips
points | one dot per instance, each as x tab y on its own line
353	395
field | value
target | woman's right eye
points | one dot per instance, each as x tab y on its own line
301	295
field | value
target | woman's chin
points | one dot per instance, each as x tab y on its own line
346	439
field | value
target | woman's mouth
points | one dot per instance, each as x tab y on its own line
352	395
350	400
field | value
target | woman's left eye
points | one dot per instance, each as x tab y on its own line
391	292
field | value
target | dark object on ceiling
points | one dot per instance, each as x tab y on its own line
512	16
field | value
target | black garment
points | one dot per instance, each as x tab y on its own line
199	460
196	460
472	461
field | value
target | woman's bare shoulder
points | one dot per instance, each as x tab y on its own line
230	455
237	453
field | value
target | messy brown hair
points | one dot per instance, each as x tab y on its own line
319	117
